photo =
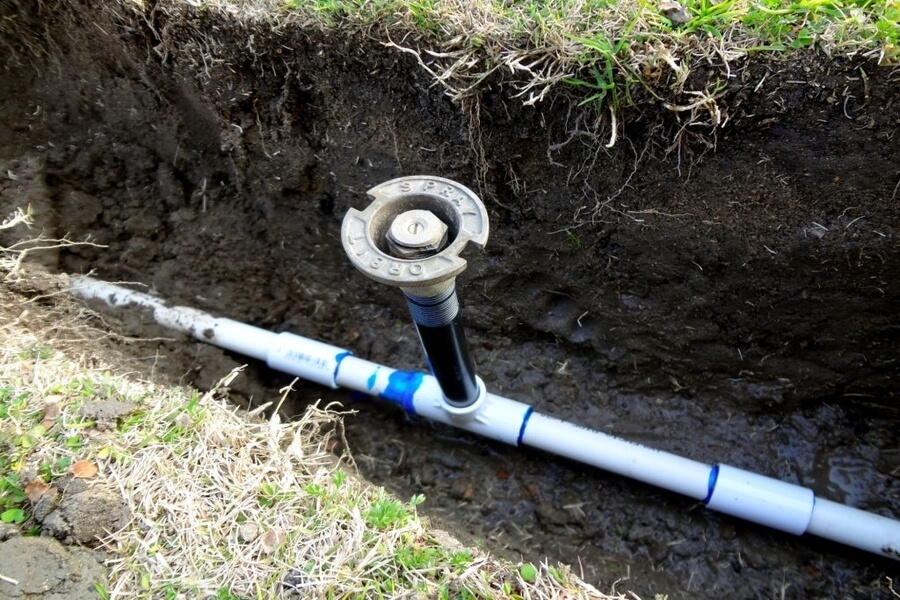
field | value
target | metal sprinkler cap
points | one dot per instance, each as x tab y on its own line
416	234
406	213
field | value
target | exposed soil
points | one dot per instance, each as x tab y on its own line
44	568
731	297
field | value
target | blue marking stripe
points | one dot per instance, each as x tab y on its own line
713	477
337	361
524	424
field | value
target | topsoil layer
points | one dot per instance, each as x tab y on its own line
730	295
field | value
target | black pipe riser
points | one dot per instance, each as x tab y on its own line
443	339
448	356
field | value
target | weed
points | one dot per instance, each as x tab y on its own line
73	443
557	575
528	572
315	490
14	515
270	494
13	404
461	559
114	452
133	421
338	478
713	17
101	590
12	497
193	408
36	352
51	471
31	438
387	512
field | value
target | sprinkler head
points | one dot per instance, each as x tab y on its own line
413	232
410	237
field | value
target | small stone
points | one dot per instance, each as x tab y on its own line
550	515
271	540
248	532
106	413
462	489
46	504
81	514
294	581
674	12
8	530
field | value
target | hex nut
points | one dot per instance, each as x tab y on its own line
416	234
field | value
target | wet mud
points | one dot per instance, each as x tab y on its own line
730	297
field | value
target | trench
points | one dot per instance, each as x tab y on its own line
730	299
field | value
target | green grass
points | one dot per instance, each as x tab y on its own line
778	24
607	50
15	442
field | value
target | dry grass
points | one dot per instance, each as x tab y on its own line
617	53
224	504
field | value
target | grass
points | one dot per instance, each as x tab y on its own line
225	504
607	47
616	57
776	24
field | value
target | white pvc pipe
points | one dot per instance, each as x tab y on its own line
286	352
655	467
723	488
761	499
854	527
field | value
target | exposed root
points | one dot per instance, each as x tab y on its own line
472	107
12	257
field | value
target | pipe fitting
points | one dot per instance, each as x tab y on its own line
429	268
459	415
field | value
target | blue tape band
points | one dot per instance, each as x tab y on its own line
402	386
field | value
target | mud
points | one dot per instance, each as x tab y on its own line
731	297
44	569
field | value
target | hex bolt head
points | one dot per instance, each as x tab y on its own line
416	234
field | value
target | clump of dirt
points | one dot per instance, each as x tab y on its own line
106	413
78	513
41	568
729	297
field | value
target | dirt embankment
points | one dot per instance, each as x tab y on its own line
728	294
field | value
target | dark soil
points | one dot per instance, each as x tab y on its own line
730	296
